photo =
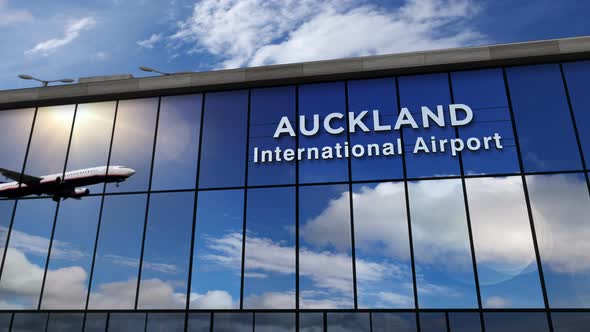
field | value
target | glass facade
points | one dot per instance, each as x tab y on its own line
229	224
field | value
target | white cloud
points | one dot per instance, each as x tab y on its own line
214	299
151	41
12	16
497	302
134	262
259	32
72	31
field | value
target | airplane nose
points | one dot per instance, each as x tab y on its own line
130	171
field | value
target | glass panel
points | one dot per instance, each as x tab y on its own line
393	322
232	322
577	75
427	90
433	322
127	322
311	322
383	267
167	249
114	282
6	209
217	257
543	121
464	321
163	322
20	286
506	261
59	322
371	95
322	99
570	321
275	322
224	139
269	280
12	155
95	322
133	142
515	322
90	144
485	93
5	321
66	285
442	251
345	322
29	322
267	108
199	322
561	207
47	153
177	145
325	263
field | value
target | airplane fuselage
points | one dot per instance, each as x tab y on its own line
68	183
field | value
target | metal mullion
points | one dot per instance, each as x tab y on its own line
245	203
528	203
195	207
100	212
575	125
147	208
211	322
57	208
9	231
468	218
350	204
447	321
297	215
408	214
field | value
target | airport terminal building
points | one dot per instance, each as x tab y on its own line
429	191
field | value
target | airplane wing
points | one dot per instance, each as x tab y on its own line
16	176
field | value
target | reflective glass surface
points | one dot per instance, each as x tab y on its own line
29	322
515	322
393	322
65	322
127	322
577	75
349	322
229	322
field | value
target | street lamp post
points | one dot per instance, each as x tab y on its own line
152	70
45	83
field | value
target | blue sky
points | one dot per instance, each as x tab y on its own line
65	38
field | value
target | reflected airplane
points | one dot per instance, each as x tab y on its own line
67	185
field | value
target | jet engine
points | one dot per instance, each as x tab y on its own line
77	193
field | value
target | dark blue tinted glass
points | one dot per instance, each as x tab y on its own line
506	261
267	107
66	284
433	322
163	322
515	322
543	121
325	258
322	99
393	322
95	322
217	257
65	322
127	322
133	142
5	321
464	321
29	322
199	322
485	93
24	265
275	322
427	90
371	95
570	321
577	76
164	274
311	322
177	145
349	322
230	322
116	267
224	139
561	208
269	279
384	273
